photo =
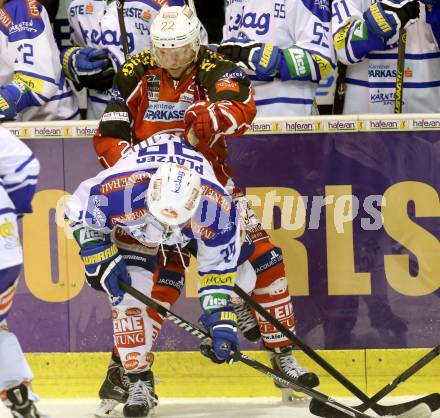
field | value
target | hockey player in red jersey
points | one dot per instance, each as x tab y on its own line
184	88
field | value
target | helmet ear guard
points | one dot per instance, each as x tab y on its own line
174	27
174	194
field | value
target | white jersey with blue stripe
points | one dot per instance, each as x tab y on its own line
116	198
371	79
19	171
29	53
305	23
95	24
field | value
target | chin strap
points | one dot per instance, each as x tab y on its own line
179	250
192	6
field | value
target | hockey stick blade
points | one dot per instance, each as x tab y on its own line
315	404
344	410
404	410
432	400
420	410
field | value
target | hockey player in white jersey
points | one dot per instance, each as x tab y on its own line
285	45
19	171
87	64
32	83
366	35
162	194
98	43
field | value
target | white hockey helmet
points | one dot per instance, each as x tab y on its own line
174	27
173	194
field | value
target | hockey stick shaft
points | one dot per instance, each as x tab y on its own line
122	28
401	378
338	102
315	356
398	100
343	410
432	400
303	346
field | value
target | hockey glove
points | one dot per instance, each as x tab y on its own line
89	67
8	101
262	58
14	97
386	17
222	326
104	266
208	120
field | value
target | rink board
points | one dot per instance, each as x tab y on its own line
188	374
353	288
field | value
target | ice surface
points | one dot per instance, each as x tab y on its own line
194	408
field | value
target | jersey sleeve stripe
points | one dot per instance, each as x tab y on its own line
24	164
7	210
291	100
39	77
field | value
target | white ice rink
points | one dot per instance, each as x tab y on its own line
194	408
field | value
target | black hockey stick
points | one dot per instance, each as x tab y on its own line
338	102
343	410
398	100
122	28
433	400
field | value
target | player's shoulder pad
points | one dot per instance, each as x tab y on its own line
155	4
217	222
319	8
5	20
223	79
131	72
22	19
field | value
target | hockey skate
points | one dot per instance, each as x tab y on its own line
283	361
17	400
246	322
114	389
141	397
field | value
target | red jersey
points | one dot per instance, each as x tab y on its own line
148	101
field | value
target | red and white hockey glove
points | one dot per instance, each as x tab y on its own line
205	122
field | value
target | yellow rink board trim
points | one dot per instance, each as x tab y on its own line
188	374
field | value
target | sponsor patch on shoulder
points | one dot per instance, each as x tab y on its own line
129	217
5	19
32	6
160	2
227	85
119	183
